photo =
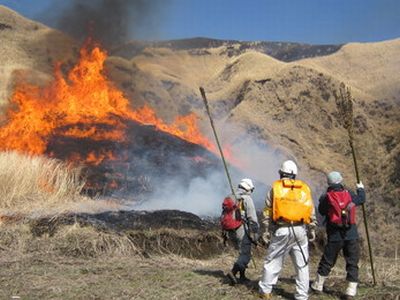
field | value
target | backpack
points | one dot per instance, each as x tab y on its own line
231	218
342	210
292	201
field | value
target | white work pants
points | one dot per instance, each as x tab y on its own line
283	242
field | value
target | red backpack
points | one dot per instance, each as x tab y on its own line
231	218
342	210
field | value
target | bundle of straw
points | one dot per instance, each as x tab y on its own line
345	107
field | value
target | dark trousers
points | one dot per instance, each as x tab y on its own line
351	253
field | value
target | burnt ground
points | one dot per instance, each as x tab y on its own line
161	231
146	158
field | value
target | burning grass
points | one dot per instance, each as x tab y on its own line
83	104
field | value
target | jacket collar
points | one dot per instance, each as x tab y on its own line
335	187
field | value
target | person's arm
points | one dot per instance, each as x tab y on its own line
250	210
313	223
267	212
358	198
267	217
323	205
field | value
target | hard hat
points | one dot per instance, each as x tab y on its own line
247	184
288	167
334	177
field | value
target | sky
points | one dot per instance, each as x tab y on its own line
305	21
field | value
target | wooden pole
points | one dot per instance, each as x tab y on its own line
246	229
203	94
346	109
364	214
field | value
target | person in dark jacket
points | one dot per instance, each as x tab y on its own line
340	236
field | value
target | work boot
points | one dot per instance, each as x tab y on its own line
266	296
243	278
318	284
232	274
351	290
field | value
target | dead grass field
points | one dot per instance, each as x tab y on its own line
83	263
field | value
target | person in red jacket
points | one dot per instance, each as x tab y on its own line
337	205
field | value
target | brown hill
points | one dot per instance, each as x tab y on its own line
292	106
29	46
369	67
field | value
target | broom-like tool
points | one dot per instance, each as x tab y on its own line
344	104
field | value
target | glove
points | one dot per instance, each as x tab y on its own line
254	237
266	237
253	229
360	185
311	235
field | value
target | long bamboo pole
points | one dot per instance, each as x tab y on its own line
364	213
221	152
346	109
203	94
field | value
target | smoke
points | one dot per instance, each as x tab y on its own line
203	195
109	21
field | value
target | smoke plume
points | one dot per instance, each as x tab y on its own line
108	21
203	195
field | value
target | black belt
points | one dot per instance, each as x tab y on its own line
287	224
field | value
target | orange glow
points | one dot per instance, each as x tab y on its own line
82	104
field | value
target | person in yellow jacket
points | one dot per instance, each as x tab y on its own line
288	215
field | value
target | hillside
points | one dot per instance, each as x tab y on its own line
370	67
280	50
290	106
271	101
29	49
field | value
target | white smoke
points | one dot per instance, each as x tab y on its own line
203	196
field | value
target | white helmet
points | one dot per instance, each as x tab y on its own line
247	184
288	167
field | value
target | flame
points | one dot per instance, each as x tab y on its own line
82	104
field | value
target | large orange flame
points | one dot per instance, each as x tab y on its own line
74	106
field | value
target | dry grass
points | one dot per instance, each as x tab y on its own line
80	241
33	182
36	185
84	263
69	240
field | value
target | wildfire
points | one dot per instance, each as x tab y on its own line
82	104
